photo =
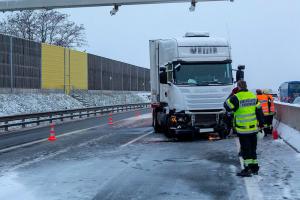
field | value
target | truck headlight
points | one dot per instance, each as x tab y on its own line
173	119
181	119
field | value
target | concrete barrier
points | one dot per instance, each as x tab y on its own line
288	114
287	123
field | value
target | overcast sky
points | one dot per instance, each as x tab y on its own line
264	34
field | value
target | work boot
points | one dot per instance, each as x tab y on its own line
245	172
254	169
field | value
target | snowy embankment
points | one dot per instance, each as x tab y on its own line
11	104
107	98
20	103
287	123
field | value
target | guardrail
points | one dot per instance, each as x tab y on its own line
288	114
36	118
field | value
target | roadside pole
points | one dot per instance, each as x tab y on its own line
11	64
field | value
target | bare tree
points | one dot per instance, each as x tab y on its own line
47	26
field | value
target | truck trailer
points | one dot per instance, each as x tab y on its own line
191	77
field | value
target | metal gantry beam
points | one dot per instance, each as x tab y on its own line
17	5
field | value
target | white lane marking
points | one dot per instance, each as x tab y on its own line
22	145
58	136
253	190
46	139
136	139
51	155
41	158
131	121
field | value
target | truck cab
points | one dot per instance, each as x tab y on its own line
191	77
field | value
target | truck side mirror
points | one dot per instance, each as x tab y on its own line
240	73
241	67
163	77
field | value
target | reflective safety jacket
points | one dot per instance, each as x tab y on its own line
271	105
264	102
267	104
247	112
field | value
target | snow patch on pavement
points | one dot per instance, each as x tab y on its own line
280	141
278	169
290	135
9	184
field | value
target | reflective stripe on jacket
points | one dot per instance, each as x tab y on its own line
271	104
264	102
245	120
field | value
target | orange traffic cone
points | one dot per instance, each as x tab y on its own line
110	119
52	133
275	134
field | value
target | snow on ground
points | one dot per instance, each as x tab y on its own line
146	96
290	135
11	104
18	103
279	175
106	98
9	185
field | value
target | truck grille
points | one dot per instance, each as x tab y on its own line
206	120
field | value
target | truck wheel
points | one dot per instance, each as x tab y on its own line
167	130
223	134
157	128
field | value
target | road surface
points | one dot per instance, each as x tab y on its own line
94	160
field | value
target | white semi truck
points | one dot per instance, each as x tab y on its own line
191	77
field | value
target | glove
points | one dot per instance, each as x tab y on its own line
260	135
261	126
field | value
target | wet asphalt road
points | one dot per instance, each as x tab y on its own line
123	161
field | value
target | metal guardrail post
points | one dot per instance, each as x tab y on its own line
11	64
23	125
6	127
38	121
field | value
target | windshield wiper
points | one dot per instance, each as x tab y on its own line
214	82
187	83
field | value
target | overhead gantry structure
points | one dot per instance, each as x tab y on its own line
19	5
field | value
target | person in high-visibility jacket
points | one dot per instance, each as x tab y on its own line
248	118
267	104
269	118
228	117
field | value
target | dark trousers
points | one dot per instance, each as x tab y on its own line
248	144
268	122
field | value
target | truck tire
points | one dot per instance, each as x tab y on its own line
223	133
167	130
156	126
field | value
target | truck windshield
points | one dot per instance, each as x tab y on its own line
203	74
